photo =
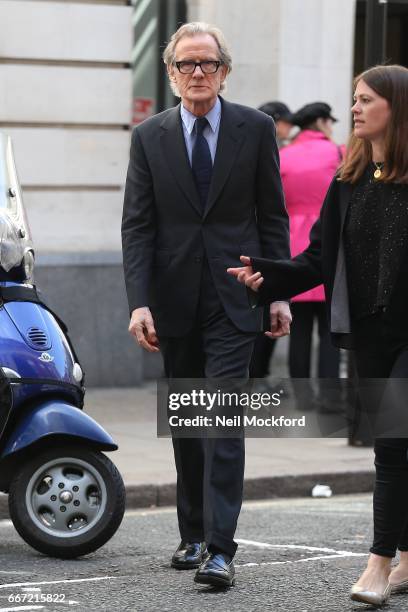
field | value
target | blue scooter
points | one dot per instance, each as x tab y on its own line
66	498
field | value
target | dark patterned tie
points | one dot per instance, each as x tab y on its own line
201	161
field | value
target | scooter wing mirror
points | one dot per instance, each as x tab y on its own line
12	247
16	248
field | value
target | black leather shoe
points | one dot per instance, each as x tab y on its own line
189	555
216	571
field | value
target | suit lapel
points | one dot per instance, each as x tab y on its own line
174	146
230	139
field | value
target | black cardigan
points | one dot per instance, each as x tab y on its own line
323	262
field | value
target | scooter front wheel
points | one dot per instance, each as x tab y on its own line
67	502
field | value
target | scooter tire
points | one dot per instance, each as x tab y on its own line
82	543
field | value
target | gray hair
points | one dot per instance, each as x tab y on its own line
191	29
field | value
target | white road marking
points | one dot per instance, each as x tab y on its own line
335	554
150	511
312	502
331	553
22	608
300	560
67	581
295	546
6	523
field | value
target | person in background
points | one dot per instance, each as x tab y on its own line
282	117
308	165
264	346
359	249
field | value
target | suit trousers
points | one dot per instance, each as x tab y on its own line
379	356
210	471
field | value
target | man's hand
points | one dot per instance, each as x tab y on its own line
281	319
141	326
246	274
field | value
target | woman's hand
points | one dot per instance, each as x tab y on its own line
246	275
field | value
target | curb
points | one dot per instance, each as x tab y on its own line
273	487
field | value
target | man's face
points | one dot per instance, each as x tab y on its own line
197	89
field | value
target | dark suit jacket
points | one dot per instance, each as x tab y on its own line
323	262
165	234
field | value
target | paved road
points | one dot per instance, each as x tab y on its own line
297	555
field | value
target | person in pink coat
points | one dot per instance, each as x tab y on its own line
308	165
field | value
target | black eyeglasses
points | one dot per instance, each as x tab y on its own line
208	66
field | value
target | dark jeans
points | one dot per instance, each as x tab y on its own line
210	471
378	356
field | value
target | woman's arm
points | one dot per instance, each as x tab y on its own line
272	280
284	279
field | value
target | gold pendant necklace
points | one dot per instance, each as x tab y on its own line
378	170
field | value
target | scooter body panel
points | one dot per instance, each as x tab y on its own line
55	418
32	343
42	426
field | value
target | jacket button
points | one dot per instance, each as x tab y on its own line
198	259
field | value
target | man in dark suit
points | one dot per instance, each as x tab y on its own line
203	186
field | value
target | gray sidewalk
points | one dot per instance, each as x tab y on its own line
274	467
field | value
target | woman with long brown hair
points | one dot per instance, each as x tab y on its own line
359	250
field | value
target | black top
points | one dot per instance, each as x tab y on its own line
375	236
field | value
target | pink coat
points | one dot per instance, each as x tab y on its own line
307	168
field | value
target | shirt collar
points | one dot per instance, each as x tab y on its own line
213	117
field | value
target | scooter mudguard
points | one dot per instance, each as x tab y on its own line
56	418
